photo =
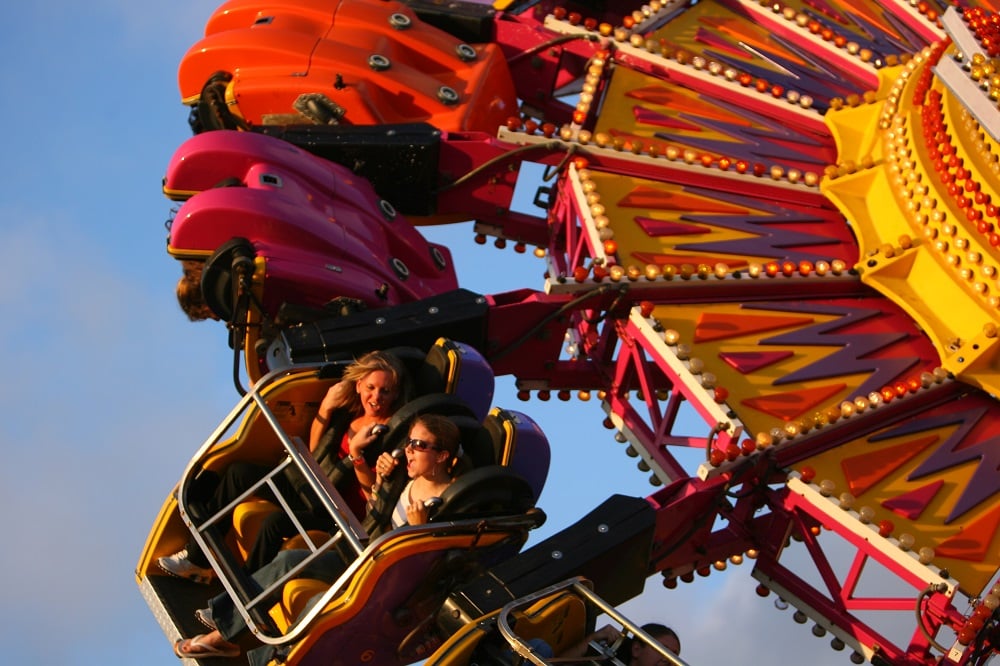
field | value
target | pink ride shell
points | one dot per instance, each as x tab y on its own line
321	231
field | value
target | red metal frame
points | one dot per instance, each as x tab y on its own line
738	503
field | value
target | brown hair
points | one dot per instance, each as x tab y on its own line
189	294
448	438
660	632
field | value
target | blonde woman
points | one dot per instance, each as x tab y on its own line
346	424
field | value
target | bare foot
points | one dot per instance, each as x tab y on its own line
206	645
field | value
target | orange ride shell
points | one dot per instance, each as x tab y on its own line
371	62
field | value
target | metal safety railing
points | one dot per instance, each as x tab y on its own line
246	594
523	651
348	538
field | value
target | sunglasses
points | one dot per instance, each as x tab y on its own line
420	445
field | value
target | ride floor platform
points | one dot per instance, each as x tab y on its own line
180	599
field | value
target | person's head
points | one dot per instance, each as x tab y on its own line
189	294
375	382
432	447
641	654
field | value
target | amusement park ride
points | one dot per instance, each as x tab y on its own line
778	214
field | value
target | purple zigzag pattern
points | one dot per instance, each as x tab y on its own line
984	482
847	360
859	30
871	36
779	212
756	143
711	38
816	78
772	244
763	241
885	43
804	78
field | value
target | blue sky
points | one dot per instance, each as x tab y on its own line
110	389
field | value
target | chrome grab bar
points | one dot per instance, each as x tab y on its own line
349	528
605	655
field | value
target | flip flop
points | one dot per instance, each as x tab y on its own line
196	648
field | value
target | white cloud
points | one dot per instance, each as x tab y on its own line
98	423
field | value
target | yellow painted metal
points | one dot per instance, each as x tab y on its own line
930	528
918	247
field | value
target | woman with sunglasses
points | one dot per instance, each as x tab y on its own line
432	460
431	457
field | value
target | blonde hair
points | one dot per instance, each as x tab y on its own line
373	361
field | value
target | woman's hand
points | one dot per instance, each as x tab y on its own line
328	405
416	513
362	439
385	464
369	477
334	398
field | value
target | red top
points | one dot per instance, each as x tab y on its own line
349	488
